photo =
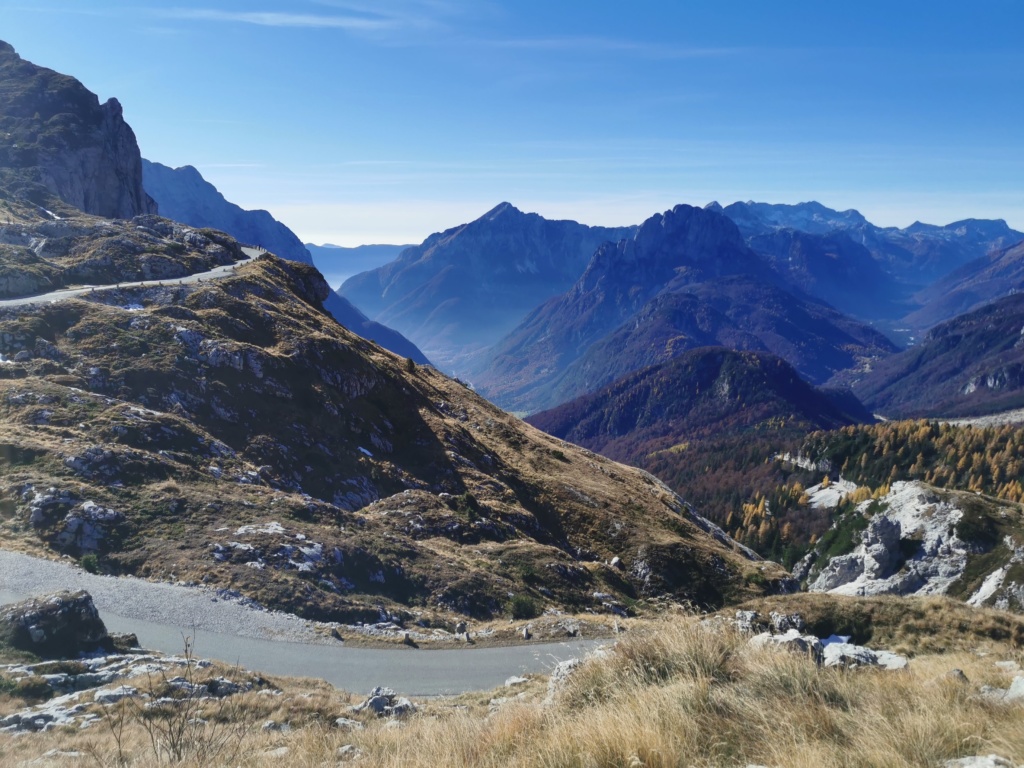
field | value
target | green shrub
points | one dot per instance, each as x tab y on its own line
90	563
523	607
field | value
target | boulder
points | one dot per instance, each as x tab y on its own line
851	656
979	761
63	624
746	621
87	527
562	671
792	640
384	702
783	622
114	695
1016	690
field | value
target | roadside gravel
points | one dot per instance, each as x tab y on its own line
175	605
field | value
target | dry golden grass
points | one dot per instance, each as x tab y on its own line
909	625
678	695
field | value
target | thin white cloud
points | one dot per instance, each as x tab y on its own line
611	45
409	13
278	19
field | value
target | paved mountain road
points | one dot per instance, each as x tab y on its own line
70	293
270	642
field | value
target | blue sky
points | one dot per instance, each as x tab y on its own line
357	121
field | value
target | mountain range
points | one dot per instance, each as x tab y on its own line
228	431
914	256
686	279
464	288
811	284
967	366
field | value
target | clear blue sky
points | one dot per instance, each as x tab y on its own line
357	121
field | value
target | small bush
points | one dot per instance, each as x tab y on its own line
91	563
523	607
31	690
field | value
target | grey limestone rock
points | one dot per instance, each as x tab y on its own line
63	624
979	761
851	656
384	702
791	640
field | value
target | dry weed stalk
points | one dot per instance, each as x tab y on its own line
181	721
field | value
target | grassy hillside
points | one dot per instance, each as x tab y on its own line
230	433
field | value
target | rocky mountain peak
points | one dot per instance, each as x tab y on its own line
682	236
688	227
501	209
57	134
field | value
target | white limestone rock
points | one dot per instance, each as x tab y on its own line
912	512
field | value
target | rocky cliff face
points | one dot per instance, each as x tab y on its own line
54	132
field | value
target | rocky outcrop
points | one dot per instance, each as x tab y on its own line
919	540
59	135
910	548
78	686
59	625
384	702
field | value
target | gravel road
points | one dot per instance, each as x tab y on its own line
270	642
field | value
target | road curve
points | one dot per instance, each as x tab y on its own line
270	642
70	293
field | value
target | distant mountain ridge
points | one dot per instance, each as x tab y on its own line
338	263
184	195
834	267
967	366
686	279
462	289
916	255
1000	273
704	391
